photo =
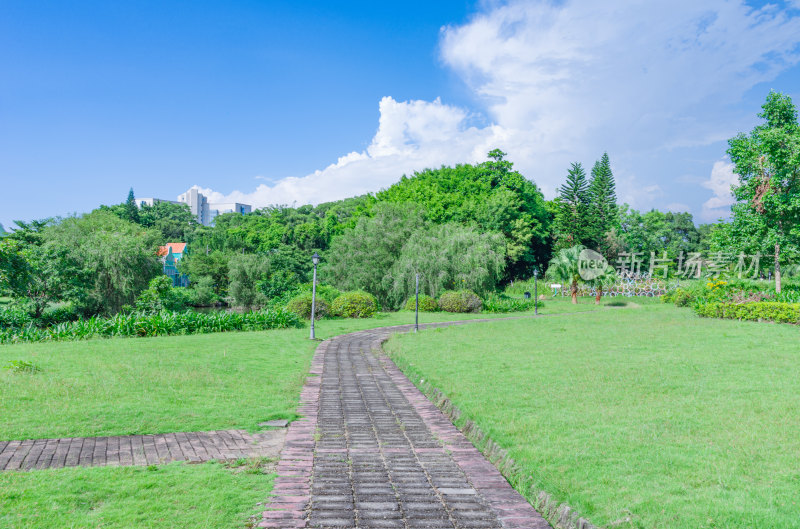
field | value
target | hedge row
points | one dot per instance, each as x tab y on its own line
158	324
753	311
355	304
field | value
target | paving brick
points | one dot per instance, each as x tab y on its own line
136	449
381	455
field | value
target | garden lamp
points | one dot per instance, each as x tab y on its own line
535	291
315	260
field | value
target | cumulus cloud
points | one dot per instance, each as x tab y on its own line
411	136
560	82
720	182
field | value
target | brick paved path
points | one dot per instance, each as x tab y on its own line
373	452
137	449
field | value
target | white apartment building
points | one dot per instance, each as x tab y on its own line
201	208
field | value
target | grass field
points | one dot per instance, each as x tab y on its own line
178	496
153	385
643	417
156	385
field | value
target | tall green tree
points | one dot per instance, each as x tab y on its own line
35	272
603	209
131	210
175	221
116	259
491	195
364	255
246	271
447	257
572	223
767	162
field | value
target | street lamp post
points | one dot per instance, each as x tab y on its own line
535	292
416	309
315	260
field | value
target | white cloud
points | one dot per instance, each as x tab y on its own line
720	182
411	136
565	81
677	207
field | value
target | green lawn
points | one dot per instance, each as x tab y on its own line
155	385
167	384
647	414
176	496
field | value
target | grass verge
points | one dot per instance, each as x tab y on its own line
636	418
210	495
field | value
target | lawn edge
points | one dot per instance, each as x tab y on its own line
559	515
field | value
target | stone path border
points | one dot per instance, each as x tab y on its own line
128	450
371	451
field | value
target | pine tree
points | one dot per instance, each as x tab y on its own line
604	212
571	225
131	209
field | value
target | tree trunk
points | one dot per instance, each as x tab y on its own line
574	291
777	268
599	294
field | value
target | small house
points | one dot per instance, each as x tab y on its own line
170	255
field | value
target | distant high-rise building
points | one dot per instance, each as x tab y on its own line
201	208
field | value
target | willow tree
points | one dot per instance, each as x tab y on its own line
447	257
767	162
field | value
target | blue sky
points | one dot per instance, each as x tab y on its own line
294	102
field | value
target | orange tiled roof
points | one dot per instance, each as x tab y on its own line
176	247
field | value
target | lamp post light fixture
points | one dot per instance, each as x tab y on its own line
535	291
416	309
315	260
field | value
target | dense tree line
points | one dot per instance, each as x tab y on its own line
476	226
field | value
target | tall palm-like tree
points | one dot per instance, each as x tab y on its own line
564	269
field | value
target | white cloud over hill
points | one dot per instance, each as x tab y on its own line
564	82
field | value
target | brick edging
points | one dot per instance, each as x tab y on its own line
291	492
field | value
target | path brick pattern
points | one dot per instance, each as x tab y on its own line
373	453
137	449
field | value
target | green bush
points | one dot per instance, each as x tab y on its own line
753	311
426	304
356	304
57	315
326	292
202	293
301	305
502	303
460	301
155	324
161	295
683	298
12	317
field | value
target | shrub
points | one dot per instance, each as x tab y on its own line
301	305
426	304
683	297
202	292
502	303
460	301
58	315
157	324
14	318
753	311
356	304
161	295
326	292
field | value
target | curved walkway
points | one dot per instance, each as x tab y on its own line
372	452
